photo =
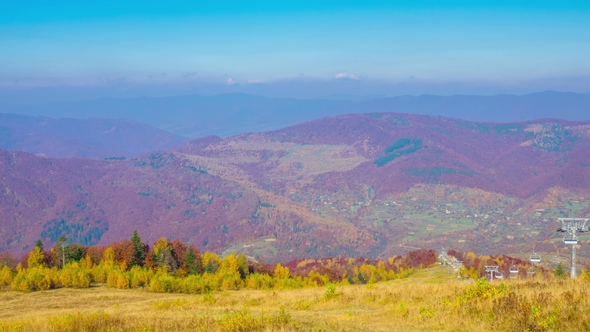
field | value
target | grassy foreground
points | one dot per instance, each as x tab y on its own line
428	300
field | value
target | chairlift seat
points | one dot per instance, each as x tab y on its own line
535	259
570	241
513	270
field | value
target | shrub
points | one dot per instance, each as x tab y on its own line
74	276
118	279
34	279
164	283
123	281
330	292
259	281
482	289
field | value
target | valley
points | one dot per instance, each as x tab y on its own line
370	185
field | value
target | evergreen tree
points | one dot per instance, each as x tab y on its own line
39	244
192	261
243	266
74	252
361	277
138	250
560	271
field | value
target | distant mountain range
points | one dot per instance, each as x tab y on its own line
370	184
91	138
225	115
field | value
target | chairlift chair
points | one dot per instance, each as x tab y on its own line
534	257
513	271
499	275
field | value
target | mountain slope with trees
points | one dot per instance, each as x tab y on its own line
374	185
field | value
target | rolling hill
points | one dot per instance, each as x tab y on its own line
363	184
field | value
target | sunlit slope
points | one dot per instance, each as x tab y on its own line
428	300
373	185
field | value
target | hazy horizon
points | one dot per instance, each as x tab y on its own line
69	51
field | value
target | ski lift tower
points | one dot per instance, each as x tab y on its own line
571	226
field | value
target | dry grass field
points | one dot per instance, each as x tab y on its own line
429	300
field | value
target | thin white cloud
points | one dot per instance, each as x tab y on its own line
230	81
254	81
346	77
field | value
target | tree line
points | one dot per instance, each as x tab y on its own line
174	266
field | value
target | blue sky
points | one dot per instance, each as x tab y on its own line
328	47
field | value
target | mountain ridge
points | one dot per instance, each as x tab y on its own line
230	114
363	184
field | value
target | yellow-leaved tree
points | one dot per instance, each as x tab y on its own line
6	276
36	258
281	272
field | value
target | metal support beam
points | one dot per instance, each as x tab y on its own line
573	271
570	226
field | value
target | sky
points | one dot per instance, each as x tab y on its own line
66	49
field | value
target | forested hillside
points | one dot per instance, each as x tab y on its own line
373	185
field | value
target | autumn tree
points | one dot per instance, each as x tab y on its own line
96	253
179	250
8	259
163	255
6	276
108	258
36	258
123	251
281	272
